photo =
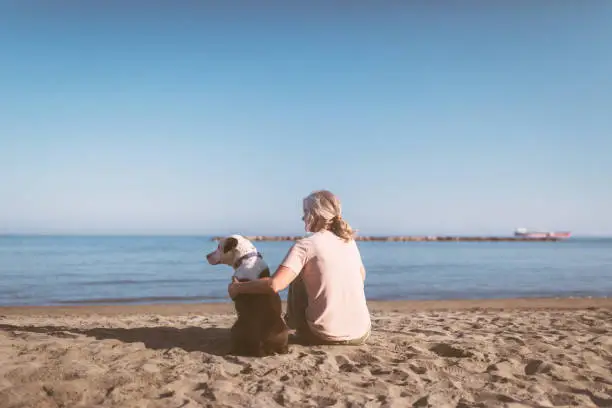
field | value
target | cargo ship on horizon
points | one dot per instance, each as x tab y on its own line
525	233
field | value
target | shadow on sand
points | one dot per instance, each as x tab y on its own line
211	340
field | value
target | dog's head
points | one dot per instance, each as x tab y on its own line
230	250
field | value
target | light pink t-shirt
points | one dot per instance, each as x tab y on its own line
331	271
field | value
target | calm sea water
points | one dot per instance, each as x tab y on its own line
89	270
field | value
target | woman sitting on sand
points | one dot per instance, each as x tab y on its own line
326	301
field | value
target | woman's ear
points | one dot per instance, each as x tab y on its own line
229	244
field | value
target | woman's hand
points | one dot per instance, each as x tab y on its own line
232	288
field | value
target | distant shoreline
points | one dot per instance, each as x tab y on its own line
408	238
217	235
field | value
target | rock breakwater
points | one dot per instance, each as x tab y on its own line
406	238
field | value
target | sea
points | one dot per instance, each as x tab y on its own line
86	270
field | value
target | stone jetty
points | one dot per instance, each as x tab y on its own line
407	238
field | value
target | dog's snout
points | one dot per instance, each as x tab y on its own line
213	258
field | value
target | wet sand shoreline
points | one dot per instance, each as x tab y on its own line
375	305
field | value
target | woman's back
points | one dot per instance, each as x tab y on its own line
331	270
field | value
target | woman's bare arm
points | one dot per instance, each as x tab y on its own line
279	281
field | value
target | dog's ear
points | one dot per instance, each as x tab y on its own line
229	244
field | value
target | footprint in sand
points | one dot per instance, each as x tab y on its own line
362	357
345	364
536	367
418	369
446	350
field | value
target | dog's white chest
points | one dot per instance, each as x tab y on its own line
250	269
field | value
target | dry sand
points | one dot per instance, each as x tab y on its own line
513	353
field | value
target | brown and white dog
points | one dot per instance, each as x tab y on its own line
260	329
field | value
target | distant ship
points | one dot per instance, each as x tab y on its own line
524	233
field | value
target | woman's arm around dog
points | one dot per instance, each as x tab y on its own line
279	281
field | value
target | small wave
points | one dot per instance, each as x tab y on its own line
148	299
134	282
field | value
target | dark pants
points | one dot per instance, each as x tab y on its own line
297	302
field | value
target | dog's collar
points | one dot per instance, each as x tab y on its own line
247	256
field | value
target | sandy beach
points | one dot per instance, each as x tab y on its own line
496	353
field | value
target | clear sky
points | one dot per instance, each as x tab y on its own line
217	117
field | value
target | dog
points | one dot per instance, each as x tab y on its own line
259	329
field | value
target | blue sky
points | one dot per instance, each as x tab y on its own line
205	118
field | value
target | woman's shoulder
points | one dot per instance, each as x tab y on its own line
310	240
326	239
305	241
320	236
